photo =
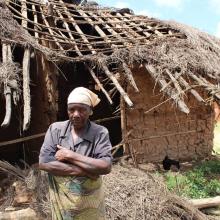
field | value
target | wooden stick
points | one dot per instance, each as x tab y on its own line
41	26
26	89
162	135
206	203
51	31
117	85
170	82
130	30
7	57
99	84
105	37
192	91
35	20
19	140
26	75
128	74
130	37
78	16
169	91
8	110
175	82
105	68
203	82
140	29
89	69
116	148
107	119
123	123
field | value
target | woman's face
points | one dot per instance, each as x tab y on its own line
78	114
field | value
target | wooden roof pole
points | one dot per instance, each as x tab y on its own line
137	27
141	29
175	82
35	20
145	32
105	68
169	91
181	80
76	26
192	91
50	30
125	66
130	37
208	86
89	69
6	57
26	75
132	32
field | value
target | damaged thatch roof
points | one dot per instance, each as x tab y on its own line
179	58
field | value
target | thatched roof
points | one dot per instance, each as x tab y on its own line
179	58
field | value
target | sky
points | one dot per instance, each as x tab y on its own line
202	14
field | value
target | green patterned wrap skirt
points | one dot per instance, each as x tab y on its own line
78	198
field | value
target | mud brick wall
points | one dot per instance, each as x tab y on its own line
167	119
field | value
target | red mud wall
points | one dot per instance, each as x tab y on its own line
164	120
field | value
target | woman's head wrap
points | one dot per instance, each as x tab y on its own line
83	96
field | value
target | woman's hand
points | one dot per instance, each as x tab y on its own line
63	153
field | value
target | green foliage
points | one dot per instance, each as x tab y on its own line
202	181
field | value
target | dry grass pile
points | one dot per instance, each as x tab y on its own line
24	188
135	195
130	194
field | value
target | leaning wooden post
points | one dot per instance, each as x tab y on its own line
26	75
123	124
6	53
26	89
